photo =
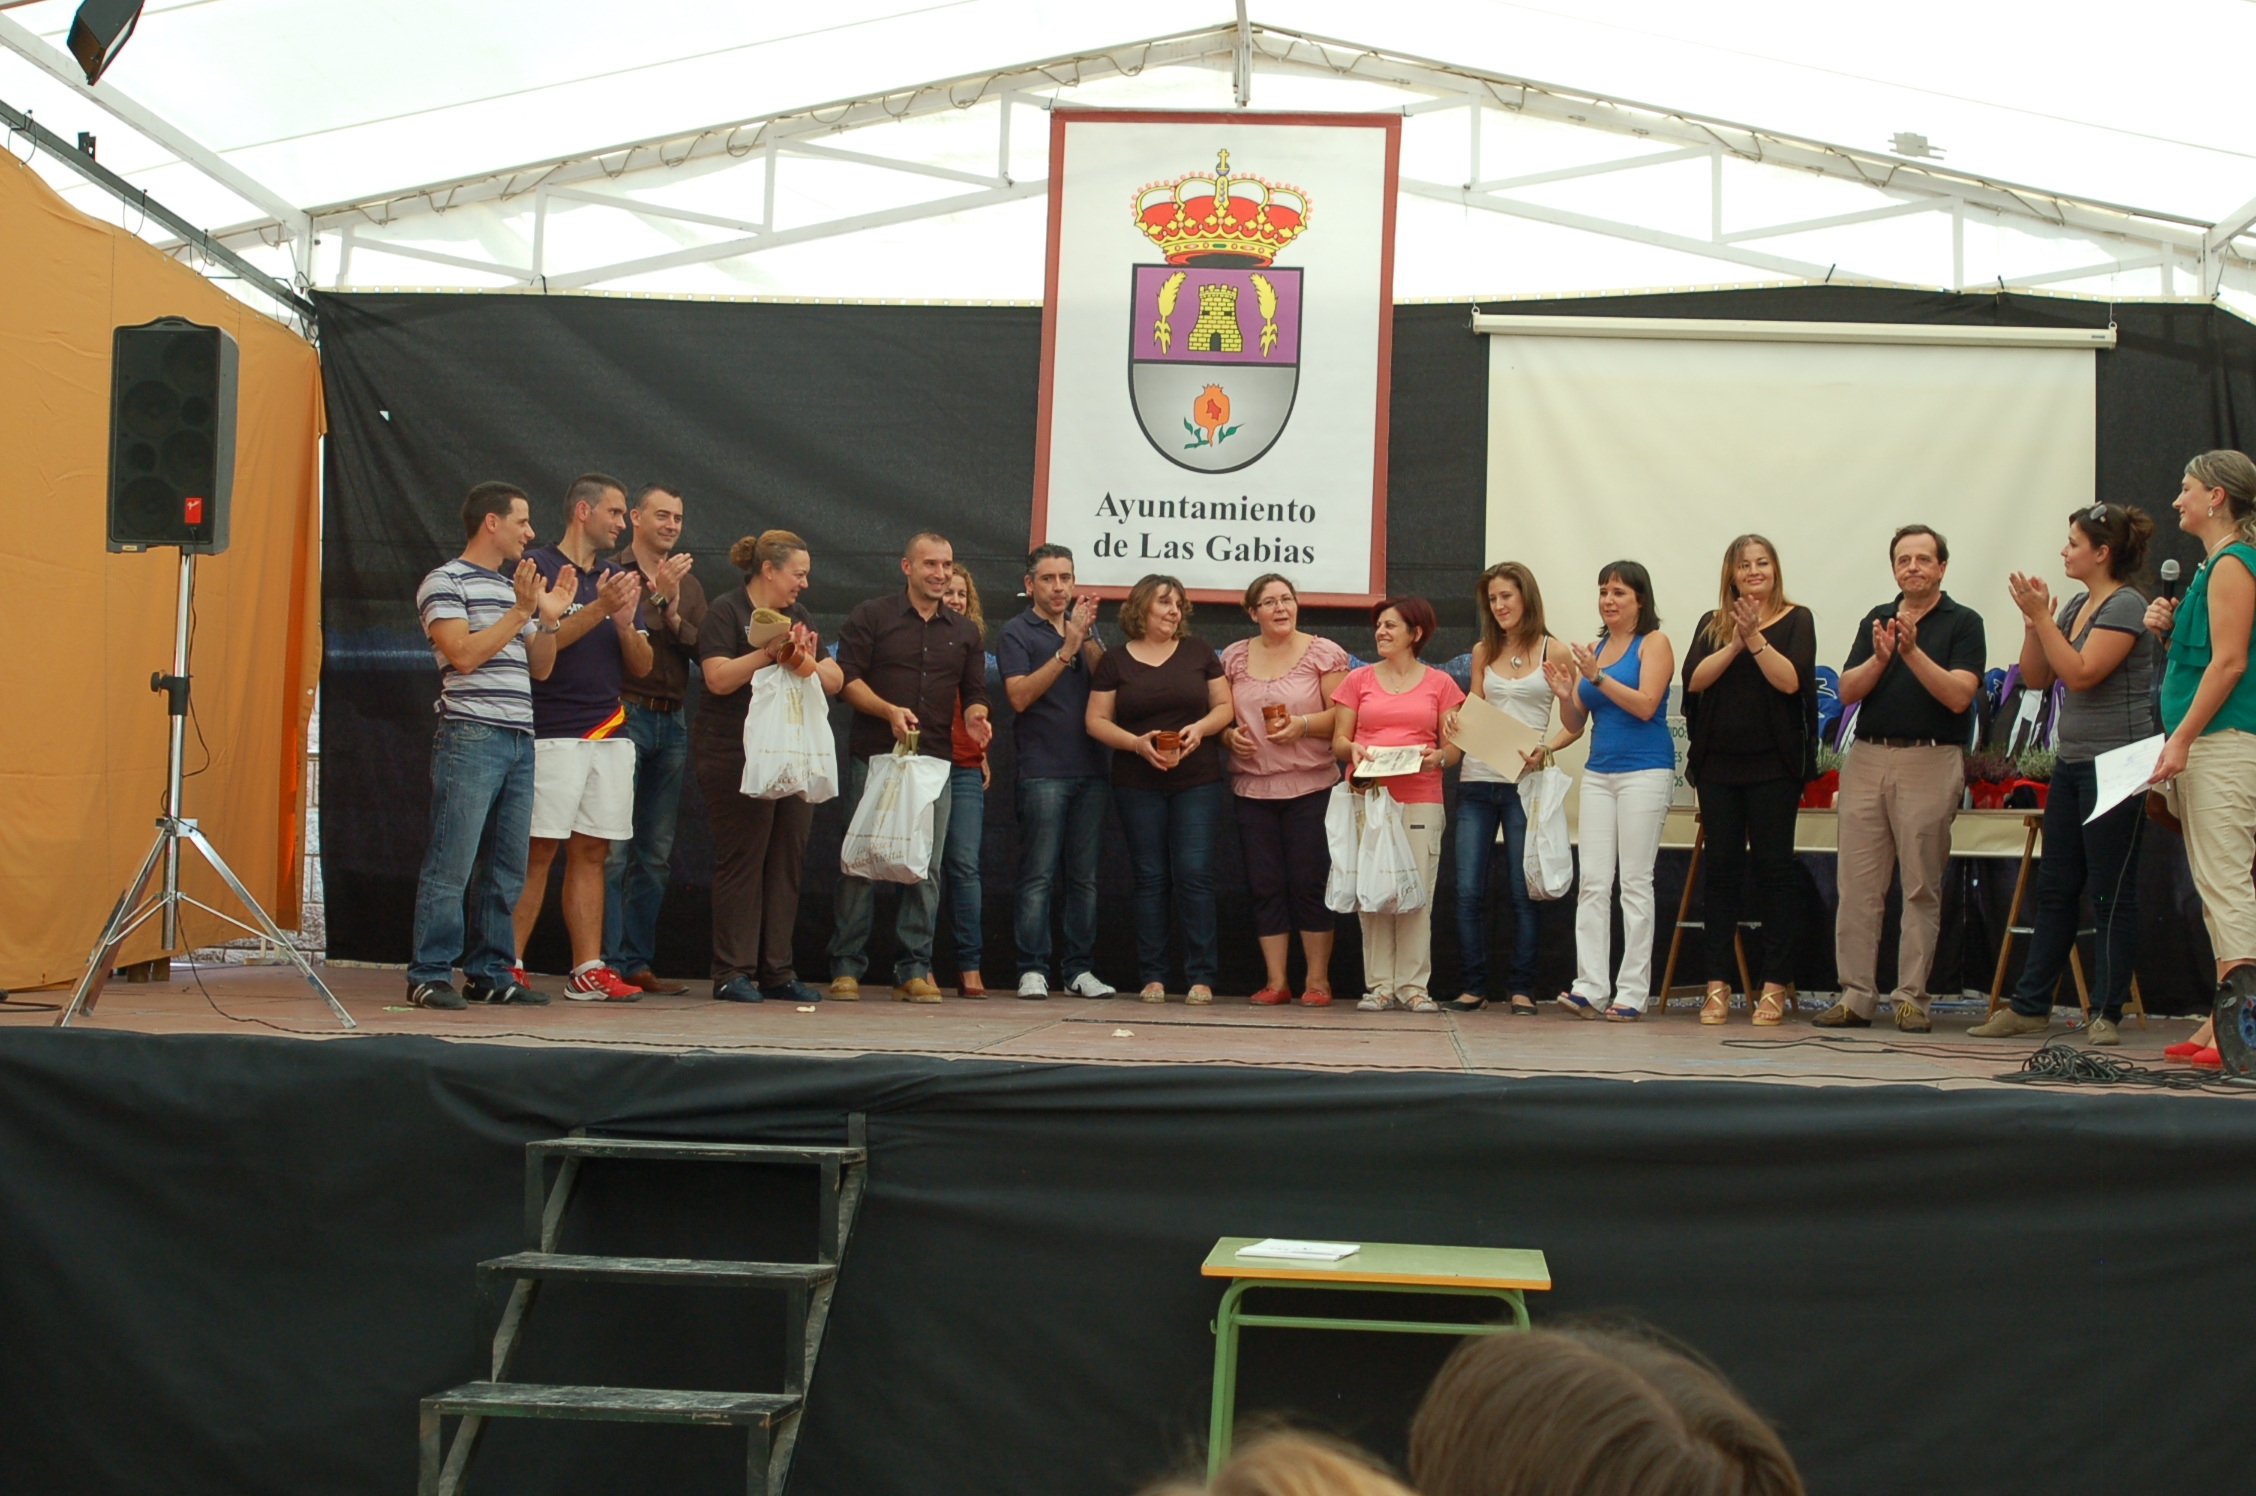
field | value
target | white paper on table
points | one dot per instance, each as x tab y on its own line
1300	1251
2122	773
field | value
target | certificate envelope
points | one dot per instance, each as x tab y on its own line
1496	738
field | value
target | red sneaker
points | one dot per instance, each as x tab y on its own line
2208	1059
1316	997
1270	997
600	984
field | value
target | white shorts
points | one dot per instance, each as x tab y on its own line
584	785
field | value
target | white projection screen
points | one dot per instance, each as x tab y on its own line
1661	450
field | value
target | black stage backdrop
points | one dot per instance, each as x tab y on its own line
234	1263
857	424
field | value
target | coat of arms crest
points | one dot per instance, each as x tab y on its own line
1214	332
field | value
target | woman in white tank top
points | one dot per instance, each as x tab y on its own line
1508	673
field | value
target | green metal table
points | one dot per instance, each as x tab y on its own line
1505	1273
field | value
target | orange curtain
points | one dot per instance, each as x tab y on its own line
82	738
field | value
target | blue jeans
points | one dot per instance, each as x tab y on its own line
2100	859
959	863
634	875
857	899
1060	830
1482	807
474	865
1171	841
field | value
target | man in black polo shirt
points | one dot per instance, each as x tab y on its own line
1916	665
908	663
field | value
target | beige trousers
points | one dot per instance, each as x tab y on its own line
1896	807
1398	948
2217	803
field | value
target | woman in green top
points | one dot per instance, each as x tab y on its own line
2209	711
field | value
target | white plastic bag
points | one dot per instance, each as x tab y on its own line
788	749
1386	870
890	838
1549	861
1341	832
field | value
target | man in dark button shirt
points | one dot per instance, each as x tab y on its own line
1916	665
673	606
908	663
1045	656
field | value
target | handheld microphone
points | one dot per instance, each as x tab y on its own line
2170	571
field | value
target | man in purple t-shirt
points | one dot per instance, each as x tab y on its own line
583	766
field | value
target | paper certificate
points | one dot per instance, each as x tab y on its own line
1496	738
1386	763
2122	773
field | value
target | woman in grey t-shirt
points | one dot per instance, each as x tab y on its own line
2097	645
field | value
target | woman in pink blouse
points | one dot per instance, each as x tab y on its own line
1281	766
1399	703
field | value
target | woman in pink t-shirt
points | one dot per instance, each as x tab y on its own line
1283	776
1398	703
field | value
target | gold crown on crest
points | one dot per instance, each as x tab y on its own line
1221	219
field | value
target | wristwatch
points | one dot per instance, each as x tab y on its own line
548	628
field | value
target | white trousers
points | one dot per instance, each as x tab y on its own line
1621	820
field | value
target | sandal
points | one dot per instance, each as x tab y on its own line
1466	1004
1576	1004
1154	992
1199	995
1523	1006
1623	1013
1771	1011
1378	1002
1717	1008
1420	1003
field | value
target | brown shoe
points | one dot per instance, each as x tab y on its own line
1841	1015
650	981
1910	1020
845	990
2007	1024
917	990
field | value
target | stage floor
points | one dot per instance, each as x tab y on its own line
1119	1031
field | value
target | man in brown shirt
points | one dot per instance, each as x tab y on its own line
909	662
673	606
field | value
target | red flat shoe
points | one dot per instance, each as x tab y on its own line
1270	997
2208	1059
1319	997
2184	1051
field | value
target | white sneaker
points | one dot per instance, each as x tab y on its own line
1034	986
1087	985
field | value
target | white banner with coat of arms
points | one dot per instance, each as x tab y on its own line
1215	349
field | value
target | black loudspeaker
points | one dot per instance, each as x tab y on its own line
172	436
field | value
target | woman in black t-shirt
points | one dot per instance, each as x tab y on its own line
1750	706
1160	705
759	846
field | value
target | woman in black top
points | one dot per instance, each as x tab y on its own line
1750	705
1160	705
759	846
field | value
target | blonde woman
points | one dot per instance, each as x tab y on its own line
2209	711
1750	707
759	846
1158	703
967	813
1508	673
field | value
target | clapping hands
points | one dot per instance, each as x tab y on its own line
618	592
2030	595
560	594
1746	620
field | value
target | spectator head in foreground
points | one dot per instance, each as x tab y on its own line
1292	1464
1590	1412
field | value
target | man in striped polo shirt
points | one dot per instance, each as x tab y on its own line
493	629
584	763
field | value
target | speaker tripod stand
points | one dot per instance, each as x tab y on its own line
136	906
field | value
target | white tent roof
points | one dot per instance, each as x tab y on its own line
886	149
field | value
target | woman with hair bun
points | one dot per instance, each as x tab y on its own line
2209	711
2097	645
759	846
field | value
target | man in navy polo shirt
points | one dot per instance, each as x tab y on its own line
1045	656
584	764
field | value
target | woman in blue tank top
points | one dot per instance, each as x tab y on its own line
1621	687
